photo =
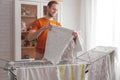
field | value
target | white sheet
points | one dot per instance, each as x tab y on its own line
58	42
37	73
101	63
58	72
72	72
102	67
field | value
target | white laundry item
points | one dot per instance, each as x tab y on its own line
98	70
37	73
58	40
71	51
71	72
58	72
102	63
68	53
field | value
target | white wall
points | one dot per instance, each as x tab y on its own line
5	34
70	13
70	19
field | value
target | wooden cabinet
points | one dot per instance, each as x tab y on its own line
26	12
28	16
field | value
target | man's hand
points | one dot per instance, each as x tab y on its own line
75	34
48	26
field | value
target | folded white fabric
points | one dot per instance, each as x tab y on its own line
59	40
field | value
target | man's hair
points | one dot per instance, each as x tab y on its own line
51	3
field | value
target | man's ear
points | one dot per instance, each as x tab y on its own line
48	8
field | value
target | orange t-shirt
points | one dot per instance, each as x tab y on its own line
41	41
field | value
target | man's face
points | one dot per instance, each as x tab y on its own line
52	11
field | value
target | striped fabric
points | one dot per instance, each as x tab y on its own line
72	72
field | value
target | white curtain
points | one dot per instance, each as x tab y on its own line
100	25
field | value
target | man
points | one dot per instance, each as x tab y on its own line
41	26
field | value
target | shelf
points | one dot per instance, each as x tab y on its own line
28	47
25	32
29	51
26	16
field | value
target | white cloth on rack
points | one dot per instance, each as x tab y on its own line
102	63
98	70
68	53
60	41
72	72
37	73
58	72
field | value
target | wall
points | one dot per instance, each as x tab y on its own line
70	19
70	13
5	34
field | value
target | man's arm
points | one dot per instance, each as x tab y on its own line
33	34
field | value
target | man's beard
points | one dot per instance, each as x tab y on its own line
50	15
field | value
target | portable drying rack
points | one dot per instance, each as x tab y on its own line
12	65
